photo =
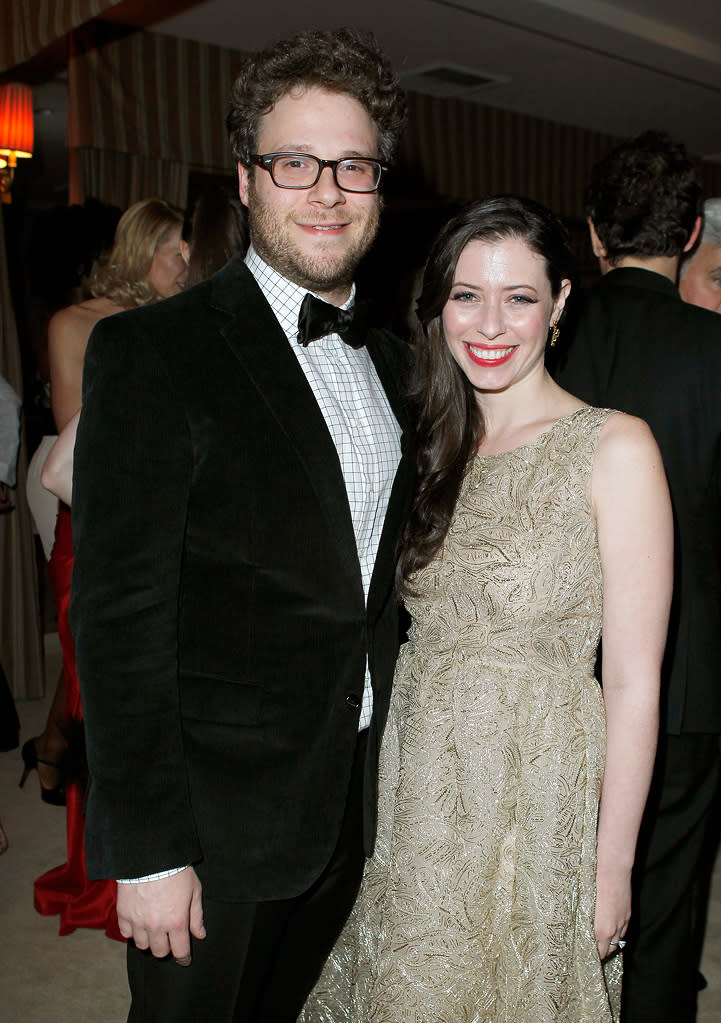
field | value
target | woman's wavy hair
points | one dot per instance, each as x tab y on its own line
644	197
122	276
449	424
344	60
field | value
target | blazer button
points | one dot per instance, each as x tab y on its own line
353	701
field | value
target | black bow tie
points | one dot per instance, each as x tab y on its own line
318	318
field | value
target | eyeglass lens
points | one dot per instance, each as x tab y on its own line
294	170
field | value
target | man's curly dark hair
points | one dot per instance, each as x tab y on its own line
644	198
344	60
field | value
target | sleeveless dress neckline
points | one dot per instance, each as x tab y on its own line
537	440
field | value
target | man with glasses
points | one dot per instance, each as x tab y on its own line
234	614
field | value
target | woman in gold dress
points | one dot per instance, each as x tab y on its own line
512	784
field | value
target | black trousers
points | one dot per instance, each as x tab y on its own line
260	960
673	865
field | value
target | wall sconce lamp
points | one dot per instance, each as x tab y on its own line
16	132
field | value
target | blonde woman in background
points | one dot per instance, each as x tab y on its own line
144	265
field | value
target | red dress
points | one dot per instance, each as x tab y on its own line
66	889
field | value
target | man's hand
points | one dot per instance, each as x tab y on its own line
161	915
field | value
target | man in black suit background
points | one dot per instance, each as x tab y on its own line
239	486
639	348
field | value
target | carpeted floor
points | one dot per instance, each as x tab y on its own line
81	977
45	978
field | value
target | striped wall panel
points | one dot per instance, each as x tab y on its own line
155	95
28	26
464	150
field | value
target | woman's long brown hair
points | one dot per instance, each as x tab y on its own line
449	424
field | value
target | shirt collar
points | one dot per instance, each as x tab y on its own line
283	296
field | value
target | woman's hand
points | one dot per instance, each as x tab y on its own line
613	908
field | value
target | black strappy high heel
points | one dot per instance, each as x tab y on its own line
56	795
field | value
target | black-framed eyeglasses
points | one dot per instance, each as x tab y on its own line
301	170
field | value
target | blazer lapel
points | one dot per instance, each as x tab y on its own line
257	341
392	373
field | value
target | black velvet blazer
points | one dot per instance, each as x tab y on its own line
218	611
639	348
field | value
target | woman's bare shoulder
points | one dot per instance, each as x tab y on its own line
626	436
75	322
627	458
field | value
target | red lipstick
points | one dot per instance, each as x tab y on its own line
480	361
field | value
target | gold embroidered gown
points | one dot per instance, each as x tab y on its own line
478	904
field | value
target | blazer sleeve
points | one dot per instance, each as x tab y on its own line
132	477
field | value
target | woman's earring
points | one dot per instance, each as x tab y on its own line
555	333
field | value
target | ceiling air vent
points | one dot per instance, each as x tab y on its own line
449	80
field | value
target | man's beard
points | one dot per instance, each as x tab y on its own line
320	272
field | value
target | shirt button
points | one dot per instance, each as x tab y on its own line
353	701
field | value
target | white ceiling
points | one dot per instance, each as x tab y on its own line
618	68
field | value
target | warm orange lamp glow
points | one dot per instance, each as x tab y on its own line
16	131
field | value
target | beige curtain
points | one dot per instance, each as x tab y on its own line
124	178
142	111
466	150
21	649
28	26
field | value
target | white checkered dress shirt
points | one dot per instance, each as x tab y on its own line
360	421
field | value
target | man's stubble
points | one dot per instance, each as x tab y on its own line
320	272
